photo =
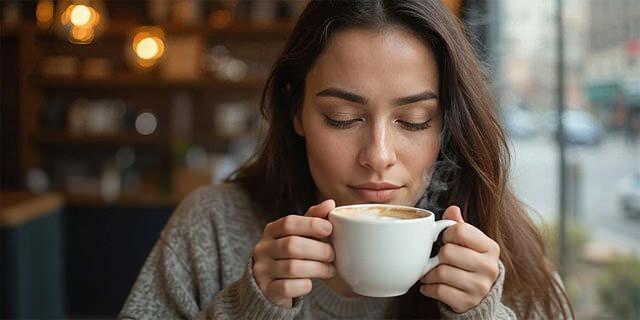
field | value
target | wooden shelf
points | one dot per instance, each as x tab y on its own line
56	138
148	82
45	147
18	207
239	30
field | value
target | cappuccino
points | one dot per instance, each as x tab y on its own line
382	213
382	250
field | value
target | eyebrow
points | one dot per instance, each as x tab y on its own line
350	96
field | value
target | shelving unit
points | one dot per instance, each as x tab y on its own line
61	138
142	82
238	30
44	147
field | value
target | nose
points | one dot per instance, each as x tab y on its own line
378	152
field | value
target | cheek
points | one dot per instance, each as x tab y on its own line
329	155
419	158
324	157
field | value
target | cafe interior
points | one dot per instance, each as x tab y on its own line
111	112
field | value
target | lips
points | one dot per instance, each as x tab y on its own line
377	192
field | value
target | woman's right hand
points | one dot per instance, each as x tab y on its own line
290	253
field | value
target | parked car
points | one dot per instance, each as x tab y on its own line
628	191
580	127
520	123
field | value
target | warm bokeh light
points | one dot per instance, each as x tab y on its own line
94	21
44	13
80	21
64	18
147	48
80	15
81	34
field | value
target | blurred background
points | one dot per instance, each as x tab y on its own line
112	111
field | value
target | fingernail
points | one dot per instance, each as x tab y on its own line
423	290
327	227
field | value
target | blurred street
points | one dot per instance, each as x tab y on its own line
535	180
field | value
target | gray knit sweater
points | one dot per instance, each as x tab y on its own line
200	268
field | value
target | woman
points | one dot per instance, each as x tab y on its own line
378	101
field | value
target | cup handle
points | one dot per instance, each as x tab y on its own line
440	226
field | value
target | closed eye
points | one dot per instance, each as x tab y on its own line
340	124
412	126
344	124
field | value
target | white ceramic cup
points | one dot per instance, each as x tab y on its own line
381	253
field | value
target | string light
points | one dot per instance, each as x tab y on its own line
80	15
81	20
147	46
44	13
81	35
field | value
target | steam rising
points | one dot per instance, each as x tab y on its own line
438	179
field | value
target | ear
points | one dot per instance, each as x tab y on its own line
297	125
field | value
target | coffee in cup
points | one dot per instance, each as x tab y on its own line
382	250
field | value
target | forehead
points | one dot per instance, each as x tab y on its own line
365	59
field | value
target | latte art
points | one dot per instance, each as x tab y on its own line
381	213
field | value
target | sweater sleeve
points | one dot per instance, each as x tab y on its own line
491	307
166	290
244	300
183	277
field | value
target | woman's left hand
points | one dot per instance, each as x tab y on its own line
468	266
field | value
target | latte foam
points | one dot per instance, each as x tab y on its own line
381	213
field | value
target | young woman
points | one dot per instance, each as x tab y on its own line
370	102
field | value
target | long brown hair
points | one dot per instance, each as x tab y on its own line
278	179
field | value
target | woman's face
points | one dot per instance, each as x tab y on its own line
371	118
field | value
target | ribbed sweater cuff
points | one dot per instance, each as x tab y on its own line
243	299
488	308
256	305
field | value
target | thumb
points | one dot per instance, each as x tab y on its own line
453	213
321	210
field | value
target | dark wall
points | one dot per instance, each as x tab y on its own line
31	275
9	113
105	250
79	263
